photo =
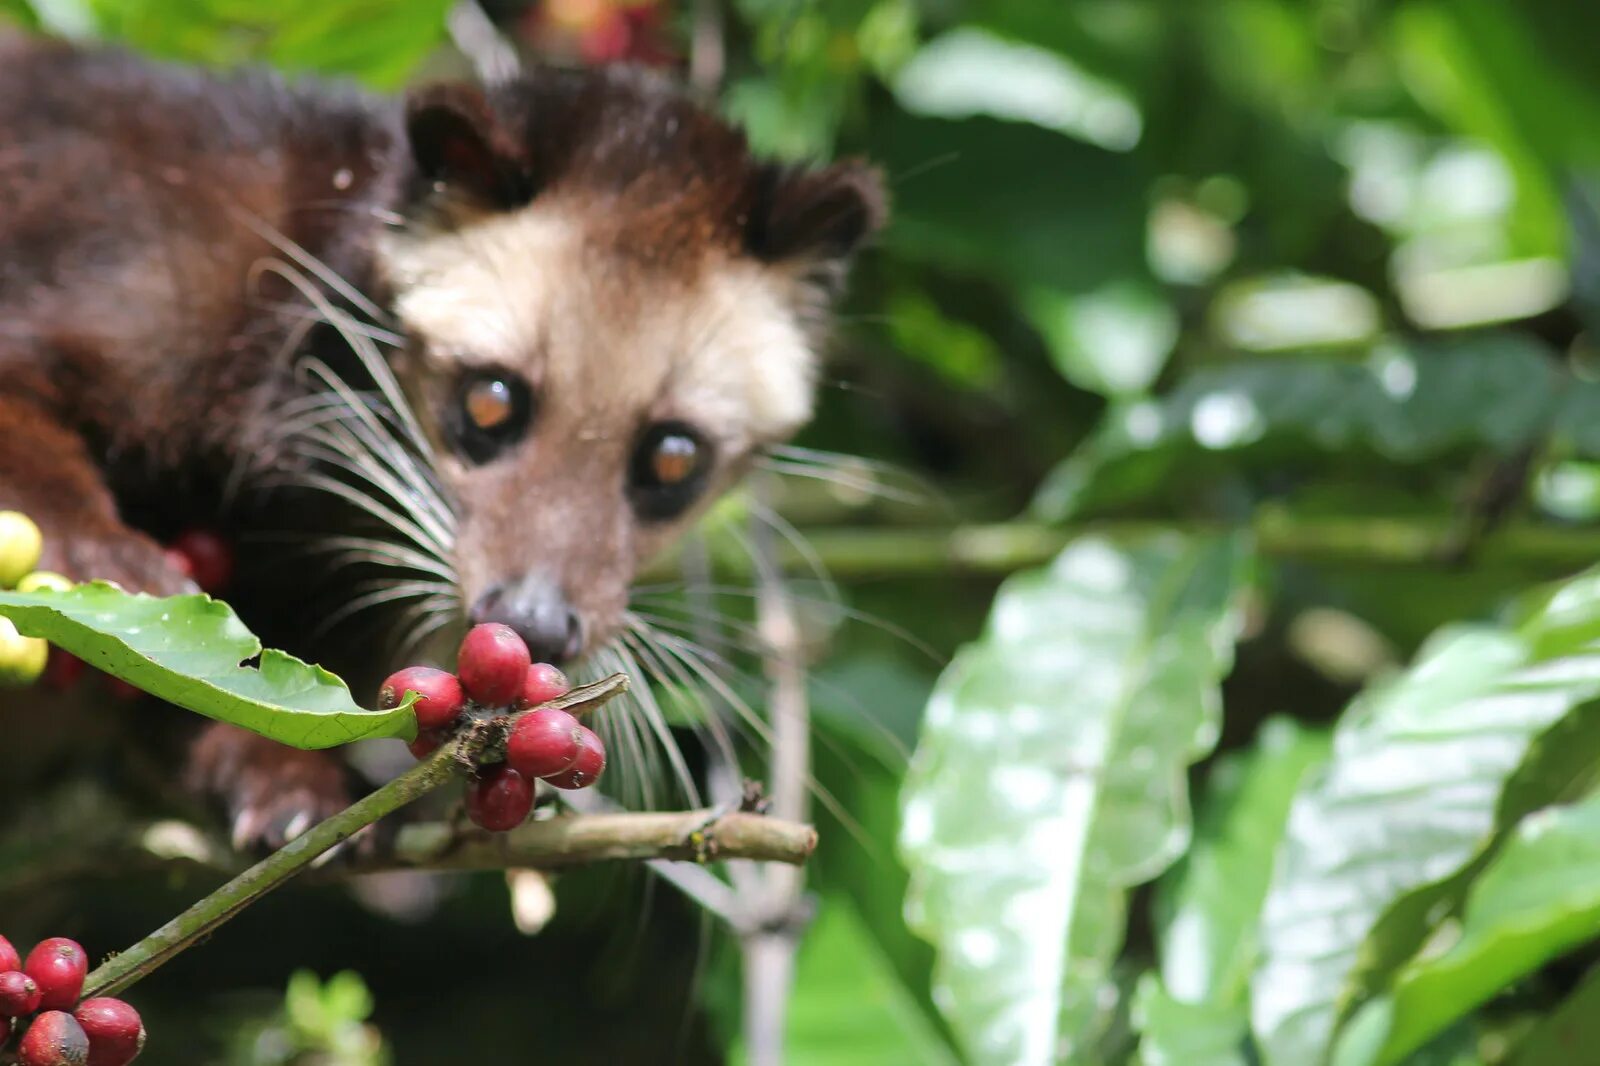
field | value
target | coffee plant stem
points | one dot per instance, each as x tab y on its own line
1002	547
122	970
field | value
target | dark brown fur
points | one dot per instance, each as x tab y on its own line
145	339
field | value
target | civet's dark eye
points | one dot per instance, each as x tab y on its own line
493	410
669	468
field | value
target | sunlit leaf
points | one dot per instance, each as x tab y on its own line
969	71
1538	897
1210	903
1176	1033
193	651
1409	403
1418	775
1114	340
1051	778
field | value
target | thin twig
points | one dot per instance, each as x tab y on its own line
770	946
492	56
707	52
574	840
144	957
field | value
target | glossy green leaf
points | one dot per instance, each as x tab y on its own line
1539	897
849	1007
378	43
194	652
1409	403
1210	903
1176	1033
1051	777
1410	796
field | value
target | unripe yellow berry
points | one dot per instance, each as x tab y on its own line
44	581
20	545
22	659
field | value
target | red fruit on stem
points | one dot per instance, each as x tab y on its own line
58	965
493	663
499	798
210	558
54	1039
542	684
9	959
589	765
439	695
19	994
428	741
114	1029
543	743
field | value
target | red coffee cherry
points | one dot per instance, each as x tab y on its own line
492	663
114	1029
54	1039
499	798
58	966
542	684
9	959
589	765
19	994
210	558
439	695
428	741
543	743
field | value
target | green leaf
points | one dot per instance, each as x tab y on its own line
379	43
849	1006
191	651
1410	797
1539	897
1054	194
969	71
1574	1024
1408	403
1051	777
1210	904
1175	1033
1113	341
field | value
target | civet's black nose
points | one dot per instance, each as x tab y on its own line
535	607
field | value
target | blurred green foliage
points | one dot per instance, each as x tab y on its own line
1151	261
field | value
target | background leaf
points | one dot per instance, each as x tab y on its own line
192	651
849	1006
1050	778
1539	897
1210	904
1410	796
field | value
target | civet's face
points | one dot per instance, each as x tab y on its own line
611	308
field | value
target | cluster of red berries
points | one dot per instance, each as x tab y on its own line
494	672
63	1031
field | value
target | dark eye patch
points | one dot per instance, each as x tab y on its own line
670	465
491	412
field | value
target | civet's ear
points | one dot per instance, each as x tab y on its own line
814	217
461	149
